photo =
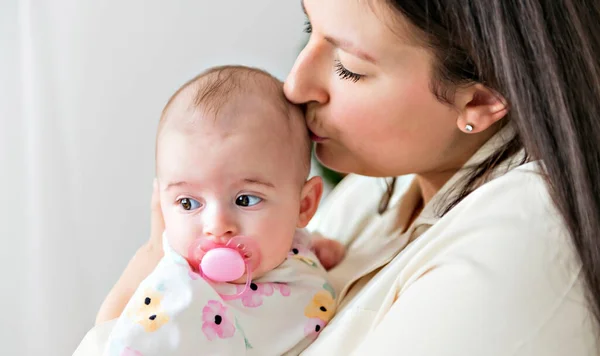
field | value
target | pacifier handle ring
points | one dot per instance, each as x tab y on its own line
248	282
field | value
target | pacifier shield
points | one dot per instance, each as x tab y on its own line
223	264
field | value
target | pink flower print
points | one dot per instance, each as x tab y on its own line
131	352
283	288
253	296
216	321
313	327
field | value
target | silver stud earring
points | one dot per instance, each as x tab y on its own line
469	128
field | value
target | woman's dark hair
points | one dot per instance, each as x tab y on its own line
543	57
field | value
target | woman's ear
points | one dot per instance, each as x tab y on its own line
309	200
479	108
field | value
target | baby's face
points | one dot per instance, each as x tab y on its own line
237	175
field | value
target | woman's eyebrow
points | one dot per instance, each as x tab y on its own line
349	47
344	45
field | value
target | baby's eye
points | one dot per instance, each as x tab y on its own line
189	204
247	200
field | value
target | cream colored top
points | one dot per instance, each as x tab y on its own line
497	275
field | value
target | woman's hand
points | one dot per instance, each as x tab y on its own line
143	262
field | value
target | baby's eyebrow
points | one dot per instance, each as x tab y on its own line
259	182
175	184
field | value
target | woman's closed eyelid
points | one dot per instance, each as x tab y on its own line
344	73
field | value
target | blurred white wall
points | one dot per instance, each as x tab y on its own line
82	84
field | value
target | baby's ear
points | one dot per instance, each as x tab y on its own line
309	200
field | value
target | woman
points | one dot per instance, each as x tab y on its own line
492	247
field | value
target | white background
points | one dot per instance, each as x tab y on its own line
82	84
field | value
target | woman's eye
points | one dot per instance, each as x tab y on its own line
345	73
247	200
307	27
189	204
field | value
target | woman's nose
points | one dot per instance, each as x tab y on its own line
308	78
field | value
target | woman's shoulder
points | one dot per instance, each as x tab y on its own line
517	206
521	195
511	229
505	254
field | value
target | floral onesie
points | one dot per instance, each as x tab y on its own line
177	312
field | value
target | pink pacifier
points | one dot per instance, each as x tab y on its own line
225	262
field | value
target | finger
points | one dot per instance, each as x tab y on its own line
328	259
341	250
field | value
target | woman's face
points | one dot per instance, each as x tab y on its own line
366	84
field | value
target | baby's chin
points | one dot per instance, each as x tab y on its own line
242	279
264	268
255	276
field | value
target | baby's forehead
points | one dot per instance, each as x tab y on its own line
246	112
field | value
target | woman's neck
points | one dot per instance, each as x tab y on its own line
430	184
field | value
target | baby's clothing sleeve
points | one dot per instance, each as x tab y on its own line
177	312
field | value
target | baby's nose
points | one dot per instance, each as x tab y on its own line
220	226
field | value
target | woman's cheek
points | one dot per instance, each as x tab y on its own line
361	113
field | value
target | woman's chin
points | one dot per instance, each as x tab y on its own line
333	160
344	163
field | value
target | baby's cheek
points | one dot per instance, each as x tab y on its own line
274	252
179	244
180	234
274	230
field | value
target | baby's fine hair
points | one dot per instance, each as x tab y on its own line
217	87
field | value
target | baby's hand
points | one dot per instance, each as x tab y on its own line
329	252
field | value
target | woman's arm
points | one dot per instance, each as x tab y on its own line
139	267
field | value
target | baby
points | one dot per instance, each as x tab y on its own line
239	275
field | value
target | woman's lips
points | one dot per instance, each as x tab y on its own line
317	138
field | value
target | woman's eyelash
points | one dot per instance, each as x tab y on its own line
345	73
307	26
